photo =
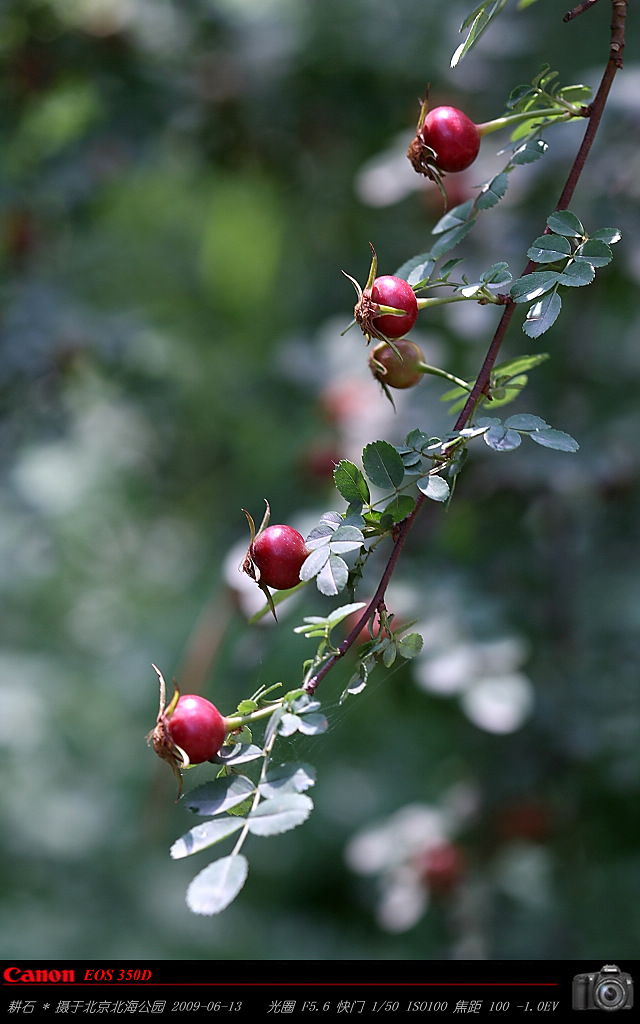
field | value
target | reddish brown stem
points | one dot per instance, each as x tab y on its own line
579	9
375	601
616	47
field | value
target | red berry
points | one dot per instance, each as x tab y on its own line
278	552
197	727
394	292
393	371
453	137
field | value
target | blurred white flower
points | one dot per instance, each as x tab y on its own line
499	704
494	694
413	855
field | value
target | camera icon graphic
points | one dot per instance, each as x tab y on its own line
607	989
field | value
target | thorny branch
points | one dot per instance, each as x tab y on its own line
481	386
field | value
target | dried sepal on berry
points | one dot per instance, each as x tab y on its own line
160	736
248	564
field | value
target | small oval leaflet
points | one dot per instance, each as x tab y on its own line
220	794
288	778
217	885
434	487
207	834
279	814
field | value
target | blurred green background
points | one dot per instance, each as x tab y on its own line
181	184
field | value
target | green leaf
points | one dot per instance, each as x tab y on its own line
279	814
400	507
521	364
608	235
345	539
411	460
594	251
343	612
542	315
217	885
419	440
389	652
497	275
303	703
493	192
524	421
313	724
219	795
287	778
320	536
416	270
563	222
207	834
350	482
314	563
501	439
237	753
289	724
557	439
531	286
450	239
434	487
409	646
576	275
578	94
454	218
529	151
333	576
245	707
549	249
383	465
504	394
478	21
447	268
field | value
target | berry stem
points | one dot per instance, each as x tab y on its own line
239	721
441	300
437	372
565	112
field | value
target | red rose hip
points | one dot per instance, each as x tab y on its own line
453	137
278	553
197	727
394	292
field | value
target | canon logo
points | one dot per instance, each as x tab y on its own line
54	977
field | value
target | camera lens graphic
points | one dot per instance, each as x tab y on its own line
609	995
